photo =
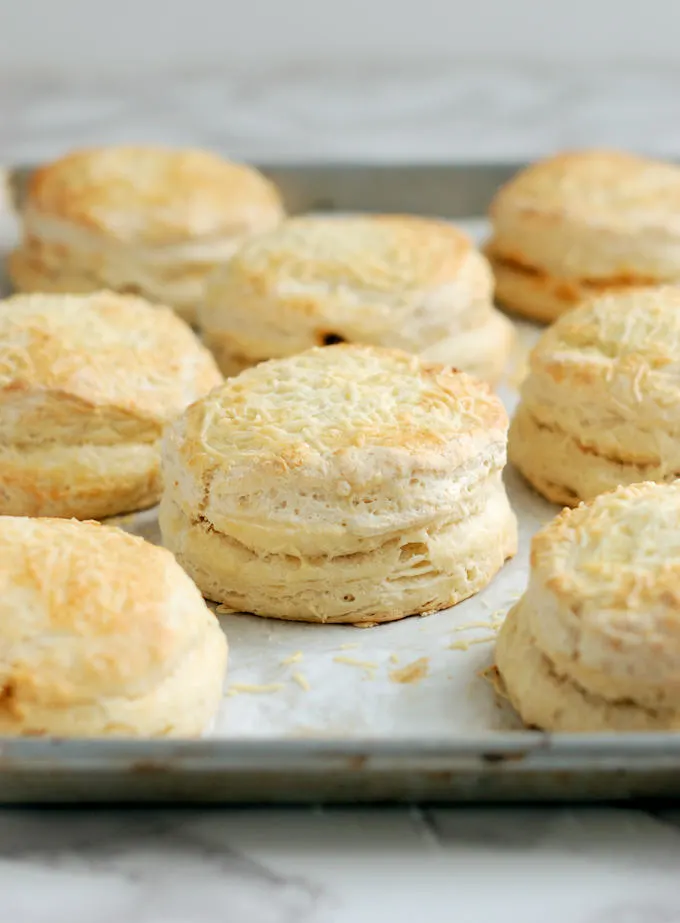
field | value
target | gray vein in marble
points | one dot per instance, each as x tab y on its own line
589	831
159	871
339	866
492	827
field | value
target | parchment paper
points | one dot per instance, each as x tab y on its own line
421	677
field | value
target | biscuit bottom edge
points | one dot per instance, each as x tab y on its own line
419	572
545	699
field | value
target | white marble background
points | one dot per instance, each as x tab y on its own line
415	111
342	866
86	37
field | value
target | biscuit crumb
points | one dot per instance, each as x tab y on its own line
347	647
494	679
302	681
412	672
497	619
394	658
293	658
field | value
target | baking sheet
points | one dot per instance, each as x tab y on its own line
357	733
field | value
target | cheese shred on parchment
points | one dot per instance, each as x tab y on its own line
302	681
293	658
465	644
237	688
470	625
412	672
351	662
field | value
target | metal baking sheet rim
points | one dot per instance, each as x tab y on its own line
527	766
519	765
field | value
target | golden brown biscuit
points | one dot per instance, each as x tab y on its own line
345	484
594	643
150	221
601	403
101	634
584	223
87	383
394	281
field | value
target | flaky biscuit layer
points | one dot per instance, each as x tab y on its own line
149	221
599	406
332	463
87	384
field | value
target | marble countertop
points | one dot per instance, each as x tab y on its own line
341	866
344	865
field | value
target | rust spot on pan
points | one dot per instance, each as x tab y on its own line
148	767
357	763
505	757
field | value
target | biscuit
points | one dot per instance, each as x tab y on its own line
87	383
142	220
102	634
582	224
600	405
394	281
594	643
345	484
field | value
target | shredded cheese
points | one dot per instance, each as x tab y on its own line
412	673
293	658
351	662
236	688
464	645
470	625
